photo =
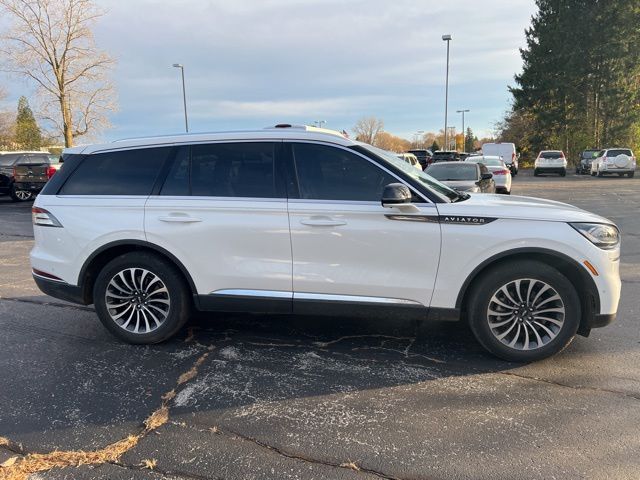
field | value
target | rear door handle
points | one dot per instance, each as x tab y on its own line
179	218
322	221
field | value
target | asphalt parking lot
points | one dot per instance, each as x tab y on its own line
256	397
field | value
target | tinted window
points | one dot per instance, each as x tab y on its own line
329	173
619	151
33	160
233	170
177	182
456	171
128	172
8	159
551	155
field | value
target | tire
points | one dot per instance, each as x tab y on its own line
20	195
599	173
563	173
532	277
593	174
171	307
535	173
630	174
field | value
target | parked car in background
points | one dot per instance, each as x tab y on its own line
410	158
505	150
463	176
23	174
583	166
619	161
288	220
423	155
500	171
445	156
550	161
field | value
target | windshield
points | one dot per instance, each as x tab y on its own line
452	172
589	153
428	181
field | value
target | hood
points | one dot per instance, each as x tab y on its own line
521	208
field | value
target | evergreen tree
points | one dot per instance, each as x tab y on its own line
469	141
581	72
434	146
28	134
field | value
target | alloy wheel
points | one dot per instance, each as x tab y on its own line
23	195
137	300
526	314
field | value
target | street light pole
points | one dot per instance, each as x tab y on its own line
184	96
464	133
446	38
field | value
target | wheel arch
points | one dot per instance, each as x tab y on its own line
99	258
571	269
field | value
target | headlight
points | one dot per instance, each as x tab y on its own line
601	235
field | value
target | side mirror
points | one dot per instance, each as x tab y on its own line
486	176
398	195
395	193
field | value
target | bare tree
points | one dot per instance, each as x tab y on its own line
7	125
367	129
51	42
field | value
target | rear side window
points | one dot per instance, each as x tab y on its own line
127	172
231	170
551	155
329	173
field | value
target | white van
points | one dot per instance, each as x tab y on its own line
505	150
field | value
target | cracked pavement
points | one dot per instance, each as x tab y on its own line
320	398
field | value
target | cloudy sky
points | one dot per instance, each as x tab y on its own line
253	63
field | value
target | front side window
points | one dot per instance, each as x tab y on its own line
234	170
330	173
126	172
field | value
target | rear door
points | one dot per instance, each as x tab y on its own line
346	246
222	211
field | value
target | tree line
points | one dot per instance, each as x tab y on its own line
579	86
371	130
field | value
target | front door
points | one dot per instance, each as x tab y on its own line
346	246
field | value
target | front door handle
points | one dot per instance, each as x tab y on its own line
179	218
322	221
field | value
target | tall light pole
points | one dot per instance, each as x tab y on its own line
446	38
416	136
184	96
464	133
319	123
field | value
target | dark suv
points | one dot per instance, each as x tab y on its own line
445	156
584	162
23	174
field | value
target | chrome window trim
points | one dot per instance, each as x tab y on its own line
347	149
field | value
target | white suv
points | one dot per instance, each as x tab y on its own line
550	161
301	220
614	160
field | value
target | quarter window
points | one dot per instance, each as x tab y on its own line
127	172
329	173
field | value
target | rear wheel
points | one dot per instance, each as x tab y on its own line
524	311
563	173
141	298
536	172
630	174
20	195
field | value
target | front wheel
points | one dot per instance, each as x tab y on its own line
524	311
18	195
141	298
